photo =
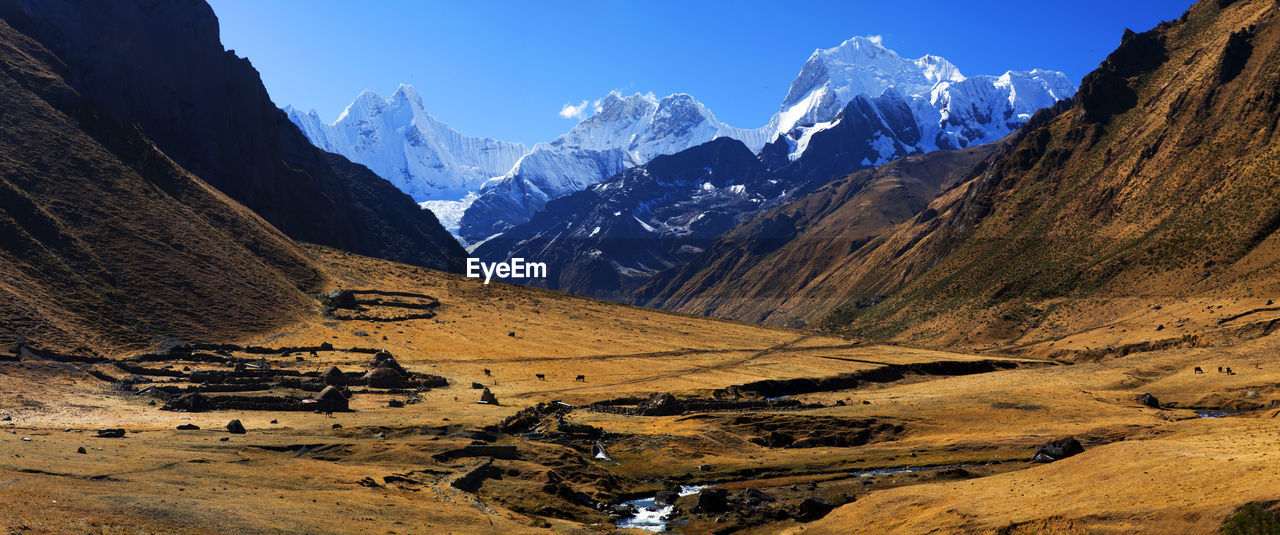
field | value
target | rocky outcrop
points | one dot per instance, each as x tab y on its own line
661	404
1105	92
1056	450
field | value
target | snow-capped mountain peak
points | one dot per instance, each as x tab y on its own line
949	109
397	139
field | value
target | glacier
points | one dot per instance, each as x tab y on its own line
397	139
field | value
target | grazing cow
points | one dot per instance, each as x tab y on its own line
541	377
1219	369
1198	370
581	379
488	373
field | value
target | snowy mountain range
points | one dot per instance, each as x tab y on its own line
479	187
624	131
397	139
952	111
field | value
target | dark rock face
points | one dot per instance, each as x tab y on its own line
161	66
235	427
661	404
488	397
813	508
1235	55
1105	92
111	433
1149	400
188	427
1057	450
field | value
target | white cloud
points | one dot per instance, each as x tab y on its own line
877	39
570	111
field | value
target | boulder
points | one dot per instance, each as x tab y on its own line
395	403
712	501
189	402
340	299
111	432
813	508
1149	400
235	427
384	378
665	497
188	427
1057	450
488	397
174	346
755	496
331	399
476	386
661	404
333	377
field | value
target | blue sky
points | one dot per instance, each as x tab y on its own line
505	69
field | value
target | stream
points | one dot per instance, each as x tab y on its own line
1214	413
649	516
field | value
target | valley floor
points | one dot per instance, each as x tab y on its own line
908	440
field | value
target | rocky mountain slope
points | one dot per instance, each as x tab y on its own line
397	139
162	68
106	244
1158	181
780	266
608	239
602	255
624	131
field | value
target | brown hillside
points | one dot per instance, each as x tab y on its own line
781	266
1160	182
106	243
